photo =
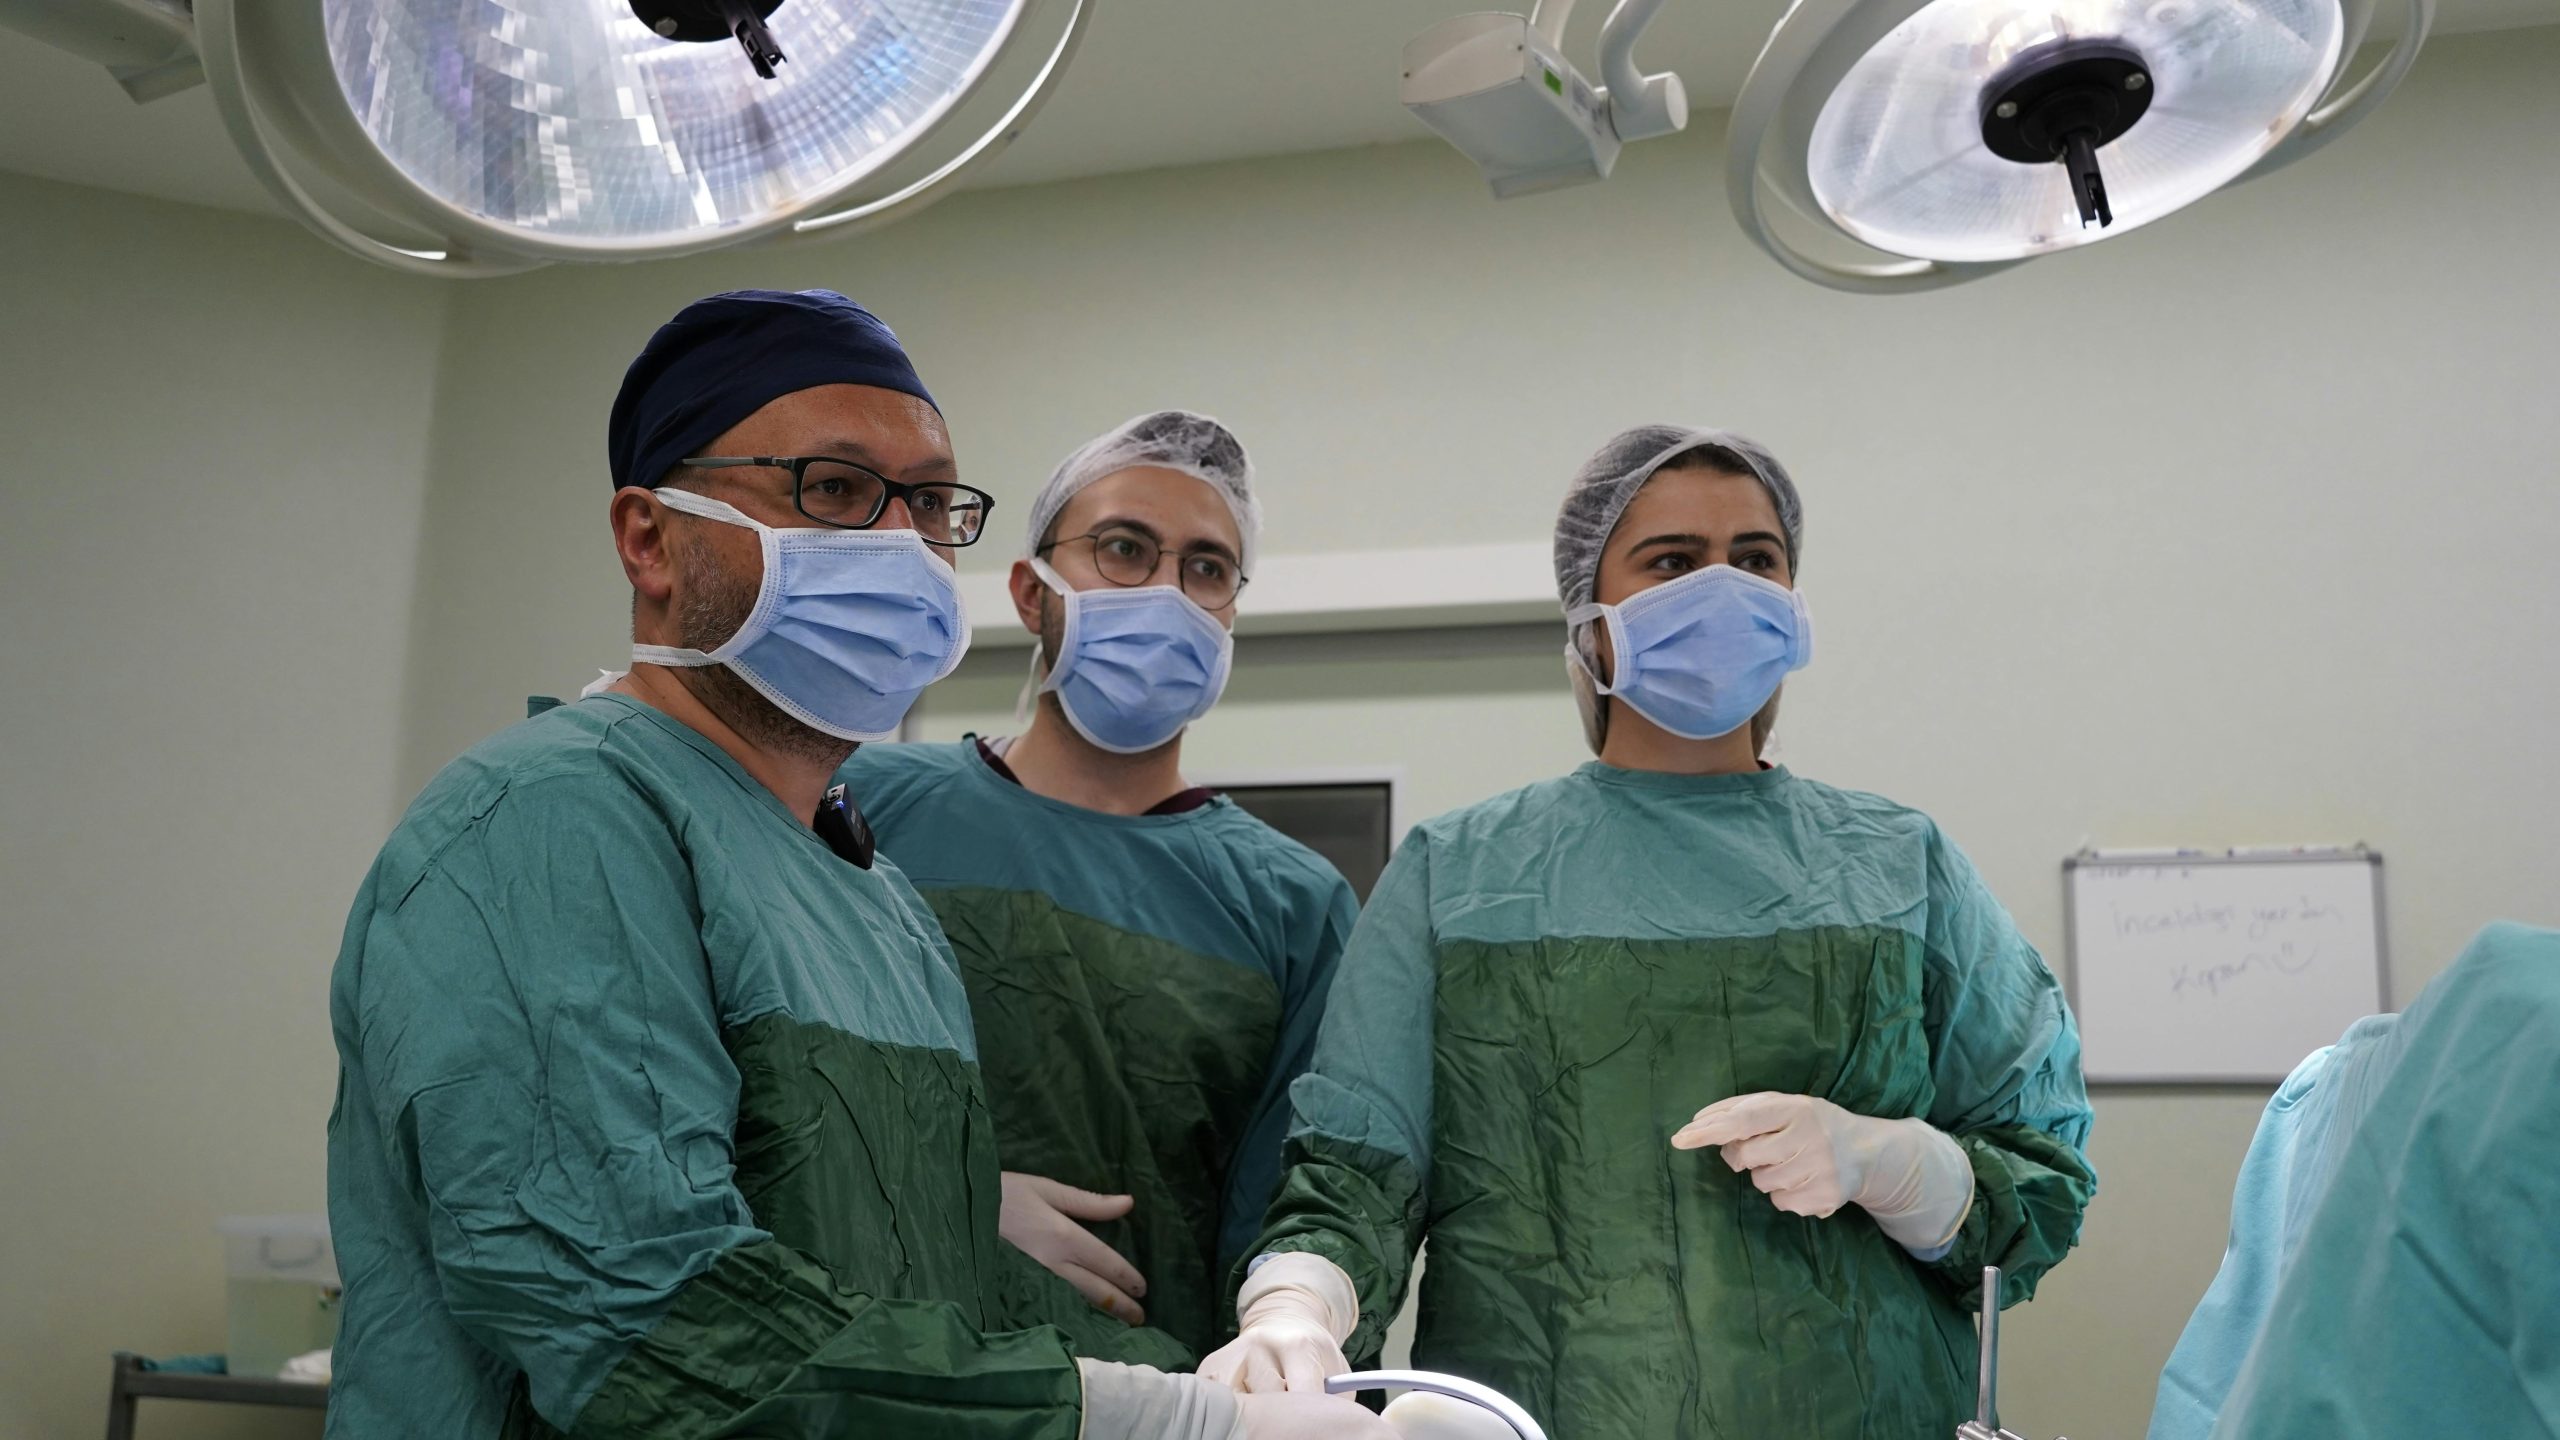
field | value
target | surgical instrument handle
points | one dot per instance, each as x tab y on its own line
1468	1390
1987	1402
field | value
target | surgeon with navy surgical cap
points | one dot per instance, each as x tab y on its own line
659	1110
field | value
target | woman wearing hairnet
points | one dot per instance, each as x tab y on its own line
1713	1087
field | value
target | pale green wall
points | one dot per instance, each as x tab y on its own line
2234	530
2278	568
216	439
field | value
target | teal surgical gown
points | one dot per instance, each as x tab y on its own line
2423	1296
1145	988
1547	985
2290	1160
656	1118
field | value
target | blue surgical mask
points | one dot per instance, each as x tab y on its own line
1136	665
848	627
1700	655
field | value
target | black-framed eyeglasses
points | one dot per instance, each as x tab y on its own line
1127	555
849	497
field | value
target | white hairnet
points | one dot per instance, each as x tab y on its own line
1598	498
1196	445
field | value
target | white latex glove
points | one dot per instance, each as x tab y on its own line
1810	1157
1040	1219
1312	1417
1134	1402
1137	1402
1421	1415
1293	1314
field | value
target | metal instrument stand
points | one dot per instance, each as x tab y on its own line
133	1383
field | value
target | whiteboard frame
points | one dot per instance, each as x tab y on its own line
2306	856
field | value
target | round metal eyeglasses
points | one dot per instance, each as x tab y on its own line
1129	556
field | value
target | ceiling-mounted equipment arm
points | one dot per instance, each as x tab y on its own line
1548	18
1641	106
148	46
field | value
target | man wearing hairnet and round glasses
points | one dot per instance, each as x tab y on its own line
659	1110
1147	962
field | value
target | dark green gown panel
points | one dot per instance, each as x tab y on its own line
1127	1066
1144	990
1548	985
656	1118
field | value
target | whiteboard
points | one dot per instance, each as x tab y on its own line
2220	968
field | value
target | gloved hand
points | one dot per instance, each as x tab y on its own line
1293	1314
1422	1415
1311	1417
1134	1402
1810	1157
1039	1218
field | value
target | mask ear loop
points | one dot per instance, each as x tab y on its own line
768	601
1043	679
1606	615
1225	671
1070	626
1589	699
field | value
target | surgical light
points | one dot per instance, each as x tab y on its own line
475	137
1885	145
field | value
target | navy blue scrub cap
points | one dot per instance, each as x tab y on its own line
725	357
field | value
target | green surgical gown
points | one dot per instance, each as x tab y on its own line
1546	985
2423	1296
1145	989
655	1118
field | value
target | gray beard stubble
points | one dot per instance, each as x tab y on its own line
715	604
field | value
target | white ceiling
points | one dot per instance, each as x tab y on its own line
1159	82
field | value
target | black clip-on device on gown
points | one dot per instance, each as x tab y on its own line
839	822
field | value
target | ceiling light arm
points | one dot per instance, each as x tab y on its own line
1548	18
908	199
147	46
1641	106
2341	114
218	43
